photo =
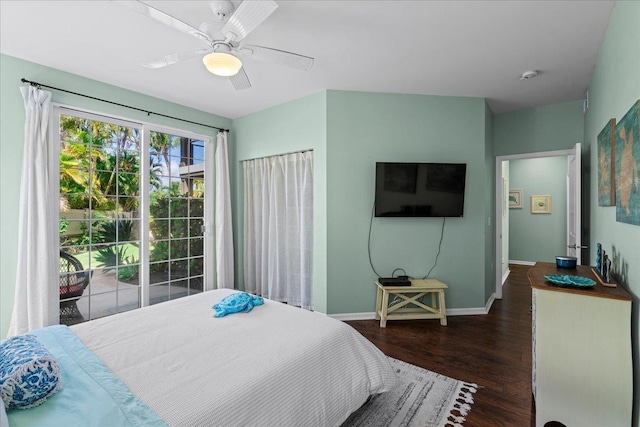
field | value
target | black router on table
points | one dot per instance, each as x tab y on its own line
394	281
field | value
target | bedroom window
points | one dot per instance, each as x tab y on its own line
131	215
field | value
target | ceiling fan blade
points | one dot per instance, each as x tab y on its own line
275	56
164	18
175	57
247	17
240	81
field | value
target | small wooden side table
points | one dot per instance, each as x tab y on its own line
410	306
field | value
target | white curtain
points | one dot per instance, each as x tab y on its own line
37	277
278	228
224	231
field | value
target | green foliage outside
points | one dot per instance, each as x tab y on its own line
113	255
100	172
185	222
64	224
96	160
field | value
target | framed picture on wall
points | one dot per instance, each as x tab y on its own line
515	199
627	159
540	204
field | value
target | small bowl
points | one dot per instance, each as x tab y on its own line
566	261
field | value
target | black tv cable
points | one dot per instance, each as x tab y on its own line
439	249
369	241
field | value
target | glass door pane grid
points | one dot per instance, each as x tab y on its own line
123	144
173	223
94	248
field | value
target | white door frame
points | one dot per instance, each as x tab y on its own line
574	204
499	199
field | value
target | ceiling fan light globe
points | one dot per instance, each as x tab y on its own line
222	64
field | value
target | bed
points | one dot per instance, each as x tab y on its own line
175	364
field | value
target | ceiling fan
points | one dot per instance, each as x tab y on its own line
222	36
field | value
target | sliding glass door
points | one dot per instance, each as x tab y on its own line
176	207
132	215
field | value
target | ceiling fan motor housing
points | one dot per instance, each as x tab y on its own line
222	9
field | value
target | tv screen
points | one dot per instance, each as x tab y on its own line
420	189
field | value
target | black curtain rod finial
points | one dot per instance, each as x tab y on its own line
34	84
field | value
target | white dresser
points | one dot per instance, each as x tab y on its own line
582	367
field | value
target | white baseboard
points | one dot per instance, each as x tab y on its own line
513	261
505	275
354	316
487	307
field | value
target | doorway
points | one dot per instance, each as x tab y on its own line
573	212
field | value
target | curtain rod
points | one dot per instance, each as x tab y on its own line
39	85
278	155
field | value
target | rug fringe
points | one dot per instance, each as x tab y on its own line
470	387
461	404
455	421
463	408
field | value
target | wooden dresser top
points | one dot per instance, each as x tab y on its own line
536	278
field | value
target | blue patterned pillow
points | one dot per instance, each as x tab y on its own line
28	372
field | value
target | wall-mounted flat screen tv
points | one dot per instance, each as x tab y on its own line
420	189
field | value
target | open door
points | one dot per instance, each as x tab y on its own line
574	214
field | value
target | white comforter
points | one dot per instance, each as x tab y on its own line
275	366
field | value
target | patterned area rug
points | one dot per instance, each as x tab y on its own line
423	399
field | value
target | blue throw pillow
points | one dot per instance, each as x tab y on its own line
28	372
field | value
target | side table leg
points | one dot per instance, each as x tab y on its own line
385	308
378	302
443	309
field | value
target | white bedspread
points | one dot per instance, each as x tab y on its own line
275	366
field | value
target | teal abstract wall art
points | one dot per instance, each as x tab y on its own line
627	159
606	165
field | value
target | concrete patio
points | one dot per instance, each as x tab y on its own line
106	295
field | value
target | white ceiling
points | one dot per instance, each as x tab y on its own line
453	48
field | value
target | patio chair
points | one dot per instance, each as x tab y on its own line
73	281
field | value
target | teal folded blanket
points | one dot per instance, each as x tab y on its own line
235	303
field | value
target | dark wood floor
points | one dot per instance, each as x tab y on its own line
492	350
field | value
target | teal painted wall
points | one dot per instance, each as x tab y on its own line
614	87
363	128
538	237
12	142
295	126
489	206
548	128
